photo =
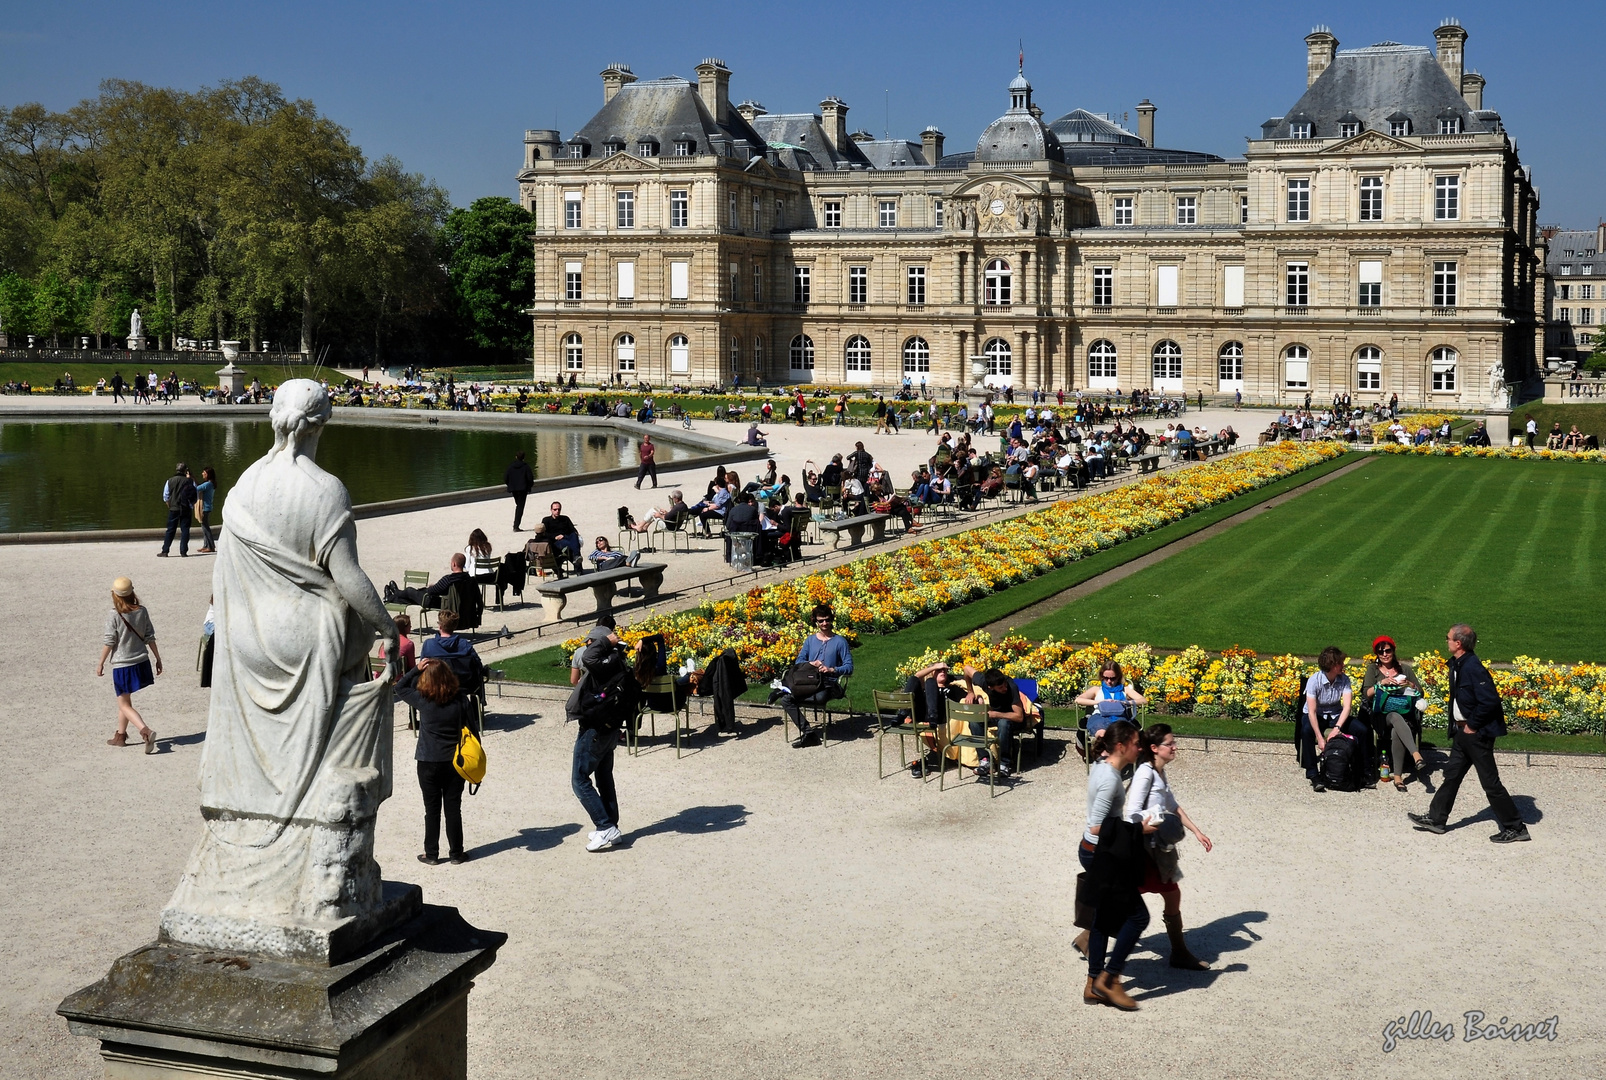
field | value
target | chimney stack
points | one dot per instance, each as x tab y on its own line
1322	47
1600	238
1472	89
931	141
1146	122
834	119
713	86
614	77
1452	50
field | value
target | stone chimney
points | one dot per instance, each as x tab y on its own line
615	76
1322	47
1146	122
1452	50
751	110
1472	89
713	86
1600	238
931	142
834	119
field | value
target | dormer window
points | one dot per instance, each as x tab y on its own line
684	147
1399	128
1349	130
1299	130
1449	125
577	150
611	148
647	148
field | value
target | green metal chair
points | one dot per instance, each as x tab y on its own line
820	712
987	741
376	668
888	722
663	684
418	579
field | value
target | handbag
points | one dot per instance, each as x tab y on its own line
803	680
195	507
1086	906
469	761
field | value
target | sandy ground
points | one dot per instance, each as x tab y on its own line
781	913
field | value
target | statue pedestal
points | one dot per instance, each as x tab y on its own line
1498	422
398	1010
230	379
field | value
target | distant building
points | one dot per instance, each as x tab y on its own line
1379	238
1576	265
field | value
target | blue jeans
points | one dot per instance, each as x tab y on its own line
1098	942
593	755
178	521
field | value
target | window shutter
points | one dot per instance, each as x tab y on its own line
1371	273
679	281
1168	286
1234	290
627	281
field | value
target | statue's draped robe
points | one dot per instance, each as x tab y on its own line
295	724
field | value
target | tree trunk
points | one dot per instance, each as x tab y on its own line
172	304
306	317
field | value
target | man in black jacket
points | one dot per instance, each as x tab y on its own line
519	478
430	597
179	495
1476	720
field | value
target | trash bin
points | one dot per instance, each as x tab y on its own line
741	549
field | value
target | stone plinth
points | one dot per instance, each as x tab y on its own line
397	1011
1498	421
231	379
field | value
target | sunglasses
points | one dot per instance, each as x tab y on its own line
1384	649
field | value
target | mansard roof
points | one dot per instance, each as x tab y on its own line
800	142
667	110
1379	83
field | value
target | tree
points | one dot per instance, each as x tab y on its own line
491	266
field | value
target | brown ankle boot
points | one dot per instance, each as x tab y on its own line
1080	944
1089	996
1109	989
1180	956
118	739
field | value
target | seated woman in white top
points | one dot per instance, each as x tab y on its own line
477	553
1150	798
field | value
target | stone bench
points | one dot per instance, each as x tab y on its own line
855	526
1147	463
603	585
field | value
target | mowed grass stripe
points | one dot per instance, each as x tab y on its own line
1405	546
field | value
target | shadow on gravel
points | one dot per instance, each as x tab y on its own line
1526	807
694	821
1212	941
542	838
510	721
165	745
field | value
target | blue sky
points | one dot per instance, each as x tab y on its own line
449	89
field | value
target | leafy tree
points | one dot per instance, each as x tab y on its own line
491	266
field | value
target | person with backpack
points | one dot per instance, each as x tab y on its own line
179	495
823	662
130	644
444	710
601	704
456	652
1111	854
1329	698
1477	718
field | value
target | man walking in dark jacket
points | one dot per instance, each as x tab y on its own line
1476	720
520	478
179	495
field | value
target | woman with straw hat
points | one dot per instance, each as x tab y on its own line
130	644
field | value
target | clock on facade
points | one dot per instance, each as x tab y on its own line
997	206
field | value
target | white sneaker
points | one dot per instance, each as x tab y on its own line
604	840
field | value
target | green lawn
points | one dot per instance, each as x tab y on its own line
1403	546
1591	419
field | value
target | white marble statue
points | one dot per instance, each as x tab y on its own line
298	740
136	325
1499	392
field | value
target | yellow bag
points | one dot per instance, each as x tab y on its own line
470	760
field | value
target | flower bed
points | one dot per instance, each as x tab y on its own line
1518	453
1539	696
881	593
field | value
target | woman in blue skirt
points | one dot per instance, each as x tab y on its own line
130	645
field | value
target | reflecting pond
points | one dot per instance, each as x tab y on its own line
108	474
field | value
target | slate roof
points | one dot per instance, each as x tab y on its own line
1575	242
668	109
800	142
894	153
1376	83
1081	126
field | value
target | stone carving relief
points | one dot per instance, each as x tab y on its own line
1057	227
1001	209
1371	142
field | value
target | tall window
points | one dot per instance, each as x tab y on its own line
1369	368
1232	286
1586	316
800	284
1167	362
1371	283
1230	365
1586	292
1123	210
1298	284
572	275
916	276
758	353
1103	286
736	282
999	359
833	215
780	214
916	356
801	356
571	210
858	284
736	353
679	355
1243	209
679	209
574	358
1444	284
624	203
1166	285
735	221
1564	314
679	281
937	213
1443	361
858	355
1299	199
1101	363
1565	292
1446	198
996	284
624	351
1371	198
758	283
757	225
1296	367
627	280
1187	210
887	214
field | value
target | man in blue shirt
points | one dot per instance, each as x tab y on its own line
827	651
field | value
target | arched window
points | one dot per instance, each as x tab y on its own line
736	354
624	350
574	356
996	283
679	355
916	356
1369	368
1168	364
999	360
758	353
802	354
858	355
1101	363
1296	367
1444	359
1230	366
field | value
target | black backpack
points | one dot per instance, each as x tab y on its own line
803	680
1338	763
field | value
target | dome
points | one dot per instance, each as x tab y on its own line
1019	82
1018	135
1081	126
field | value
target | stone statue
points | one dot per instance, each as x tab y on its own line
1499	392
1058	218
298	741
136	325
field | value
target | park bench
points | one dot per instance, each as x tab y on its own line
1147	463
603	585
855	526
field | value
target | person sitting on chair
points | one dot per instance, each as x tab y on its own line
557	530
478	550
456	652
670	516
828	652
1005	708
1111	699
430	597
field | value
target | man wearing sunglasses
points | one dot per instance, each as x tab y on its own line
557	530
827	651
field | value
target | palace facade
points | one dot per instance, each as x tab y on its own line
1379	238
